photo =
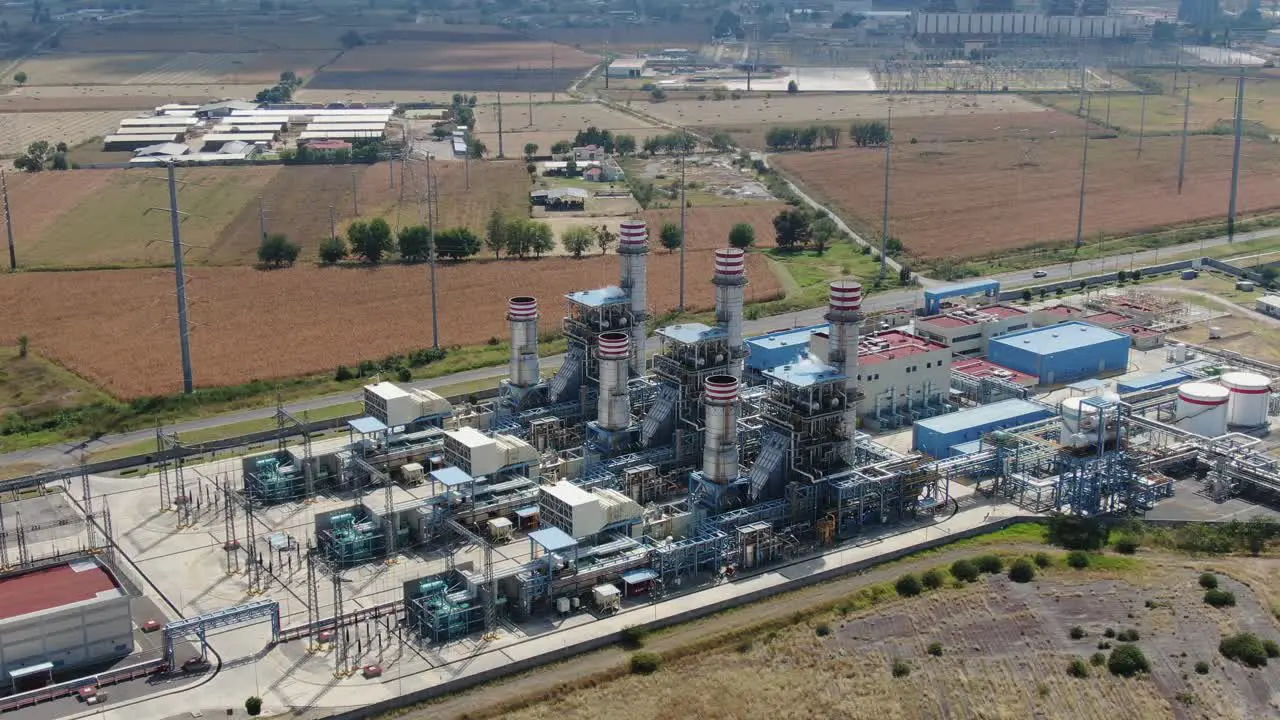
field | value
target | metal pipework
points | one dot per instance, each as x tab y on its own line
633	238
844	313
730	280
720	444
613	407
525	368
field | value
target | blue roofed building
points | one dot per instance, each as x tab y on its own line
778	348
1062	353
938	436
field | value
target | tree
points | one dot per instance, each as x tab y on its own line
1127	660
792	87
823	231
276	250
657	94
1077	533
904	275
542	239
793	229
742	236
671	237
578	239
560	147
476	148
605	238
517	237
24	345
351	39
37	157
370	240
625	144
722	141
414	243
20	77
530	149
457	243
332	249
869	133
495	234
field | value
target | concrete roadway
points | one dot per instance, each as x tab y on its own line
67	454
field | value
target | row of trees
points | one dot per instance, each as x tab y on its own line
373	241
518	236
41	155
802	138
282	91
671	143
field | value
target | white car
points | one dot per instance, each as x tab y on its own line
1039	274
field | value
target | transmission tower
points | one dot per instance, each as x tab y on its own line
180	278
231	544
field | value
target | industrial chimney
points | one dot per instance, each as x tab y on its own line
525	369
632	248
730	280
613	407
844	313
720	444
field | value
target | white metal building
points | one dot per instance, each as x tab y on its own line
902	377
967	330
61	617
163	121
341	135
1268	305
926	23
627	67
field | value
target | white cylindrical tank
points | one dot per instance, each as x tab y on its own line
1250	396
525	367
1074	422
613	407
1202	408
720	443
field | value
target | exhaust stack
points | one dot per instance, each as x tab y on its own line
613	407
720	443
731	280
844	313
633	238
525	368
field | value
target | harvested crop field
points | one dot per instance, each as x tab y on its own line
243	35
187	68
708	227
968	199
116	328
551	123
1004	653
18	130
61	98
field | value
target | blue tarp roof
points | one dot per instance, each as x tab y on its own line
690	333
367	425
553	539
632	577
451	476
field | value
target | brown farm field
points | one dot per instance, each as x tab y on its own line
156	68
64	98
968	199
708	227
18	130
116	328
551	122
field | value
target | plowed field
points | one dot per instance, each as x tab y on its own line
117	328
966	199
708	227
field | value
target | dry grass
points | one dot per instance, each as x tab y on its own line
64	98
551	123
117	328
18	130
708	227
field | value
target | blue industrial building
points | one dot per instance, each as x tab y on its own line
1151	381
778	348
933	298
937	436
1062	353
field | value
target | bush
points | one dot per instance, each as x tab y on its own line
1127	660
1272	648
823	630
633	636
964	570
1128	635
1126	546
1104	645
1077	633
1022	571
1098	659
935	649
1077	533
900	668
332	249
1078	559
1202	668
343	373
1078	669
744	646
1042	560
1219	598
933	579
1208	581
990	564
253	705
1244	648
645	663
404	374
1109	632
908	585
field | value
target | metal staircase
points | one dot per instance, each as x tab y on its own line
660	419
773	457
569	376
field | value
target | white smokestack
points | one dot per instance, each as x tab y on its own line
731	282
844	313
525	368
613	407
633	246
720	441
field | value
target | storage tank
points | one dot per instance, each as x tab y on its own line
1202	408
1080	422
1250	396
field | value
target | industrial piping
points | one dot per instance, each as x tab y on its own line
613	407
720	444
525	368
632	248
844	313
730	280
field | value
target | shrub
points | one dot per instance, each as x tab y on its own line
1208	581
404	374
964	570
1022	571
332	249
1042	560
343	373
1078	559
935	649
633	636
933	579
1244	648
1077	633
908	585
823	630
1127	660
1078	669
1126	546
900	668
1273	649
645	663
1104	645
1219	598
1098	659
990	564
1128	635
253	705
1109	632
744	646
1202	668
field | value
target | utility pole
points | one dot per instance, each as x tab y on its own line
1084	174
553	73
501	154
1235	159
1182	154
391	171
333	226
8	222
531	109
262	219
466	162
1142	123
884	215
431	230
179	273
684	150
355	196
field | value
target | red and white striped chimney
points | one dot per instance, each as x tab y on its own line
525	367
